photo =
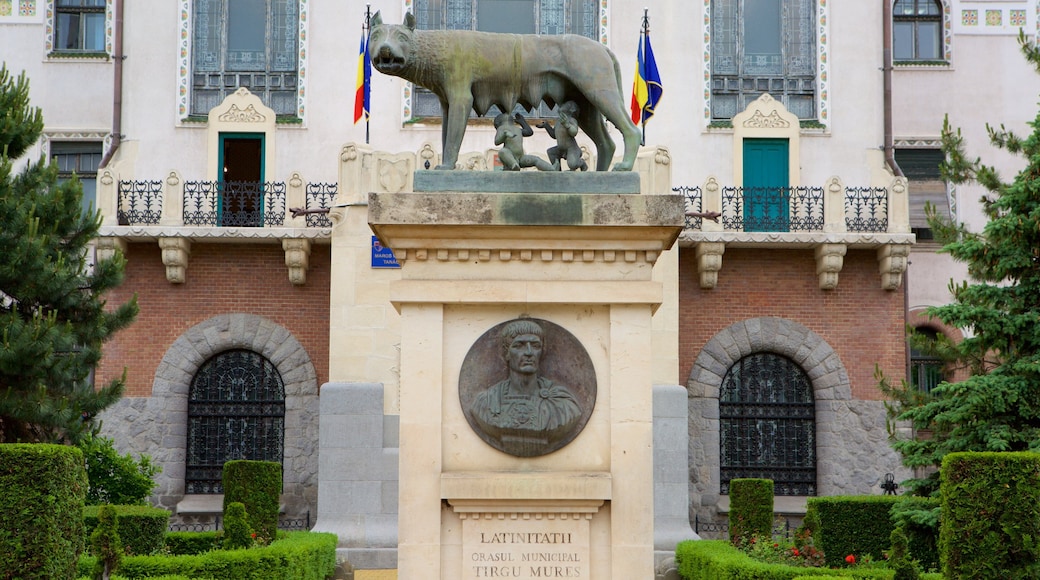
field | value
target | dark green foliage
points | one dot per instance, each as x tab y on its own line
237	533
41	486
114	478
750	509
190	543
899	560
257	485
918	517
20	123
295	555
858	525
998	407
142	528
720	560
53	316
809	530
990	516
105	544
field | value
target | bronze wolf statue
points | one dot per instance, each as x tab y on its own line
474	70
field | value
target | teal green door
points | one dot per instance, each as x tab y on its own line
767	194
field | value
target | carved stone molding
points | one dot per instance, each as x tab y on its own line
297	259
892	262
175	254
829	260
709	262
525	255
107	247
770	121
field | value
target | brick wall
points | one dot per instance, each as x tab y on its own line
863	323
221	278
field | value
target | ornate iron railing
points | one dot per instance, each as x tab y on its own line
866	209
719	530
320	196
140	203
772	209
216	524
234	203
694	204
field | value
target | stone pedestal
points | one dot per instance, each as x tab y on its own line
582	262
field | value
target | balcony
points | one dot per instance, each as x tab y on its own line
178	213
829	218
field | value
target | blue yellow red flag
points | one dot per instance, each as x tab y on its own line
646	88
362	96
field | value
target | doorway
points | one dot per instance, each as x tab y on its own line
241	187
767	192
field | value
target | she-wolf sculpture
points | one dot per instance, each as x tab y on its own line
474	70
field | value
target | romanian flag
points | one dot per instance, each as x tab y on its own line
364	77
646	88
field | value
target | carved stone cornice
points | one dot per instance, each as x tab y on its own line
892	262
237	115
175	254
633	256
709	262
297	259
829	260
770	121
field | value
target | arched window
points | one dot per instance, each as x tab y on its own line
767	424
763	46
236	410
917	30
926	369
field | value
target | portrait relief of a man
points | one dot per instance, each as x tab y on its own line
528	413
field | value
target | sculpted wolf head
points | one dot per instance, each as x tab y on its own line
391	46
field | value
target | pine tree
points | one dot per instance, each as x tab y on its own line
998	407
53	314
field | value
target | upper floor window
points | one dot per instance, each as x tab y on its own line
763	46
513	16
921	168
80	158
79	25
245	43
767	424
917	30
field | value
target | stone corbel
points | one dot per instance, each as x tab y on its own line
709	262
175	253
107	247
829	260
892	261
297	259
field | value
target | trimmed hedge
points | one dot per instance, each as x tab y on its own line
923	537
296	555
853	524
720	560
141	528
990	515
258	486
42	485
190	543
750	508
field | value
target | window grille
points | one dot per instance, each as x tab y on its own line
926	369
245	43
917	32
515	16
236	410
763	46
79	25
767	424
79	158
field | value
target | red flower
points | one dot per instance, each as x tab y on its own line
253	535
850	559
795	551
776	545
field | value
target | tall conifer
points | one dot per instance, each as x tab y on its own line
53	314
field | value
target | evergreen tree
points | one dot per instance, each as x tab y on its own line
53	315
998	407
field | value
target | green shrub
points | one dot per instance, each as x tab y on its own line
750	509
899	557
142	528
116	479
258	486
853	524
105	544
296	555
919	518
41	485
190	543
990	515
236	527
720	560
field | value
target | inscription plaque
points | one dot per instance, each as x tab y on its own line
525	546
527	387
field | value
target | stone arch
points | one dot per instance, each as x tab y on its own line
240	331
830	383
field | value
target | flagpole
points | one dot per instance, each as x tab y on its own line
642	39
365	29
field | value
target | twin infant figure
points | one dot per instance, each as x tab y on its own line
511	131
